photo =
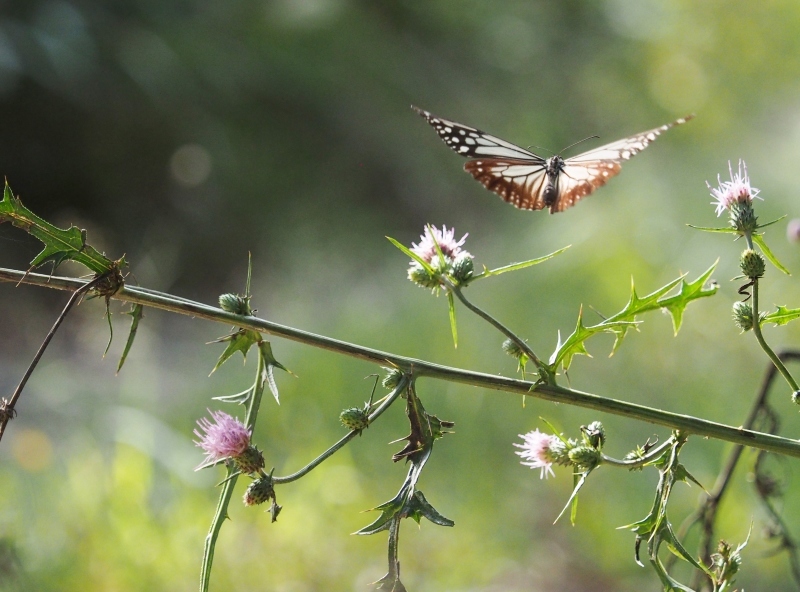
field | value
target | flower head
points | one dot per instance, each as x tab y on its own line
539	451
225	437
450	247
737	190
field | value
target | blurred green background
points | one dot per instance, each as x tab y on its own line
186	134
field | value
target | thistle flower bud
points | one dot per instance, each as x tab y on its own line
743	315
392	379
420	276
259	491
249	461
796	397
354	419
743	217
584	457
236	304
594	434
752	264
512	349
463	267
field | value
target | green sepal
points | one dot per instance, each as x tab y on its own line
759	240
781	316
514	266
59	245
136	313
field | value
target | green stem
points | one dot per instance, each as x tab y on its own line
641	461
499	326
221	513
763	343
330	451
421	368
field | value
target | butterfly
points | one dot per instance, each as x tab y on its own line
531	182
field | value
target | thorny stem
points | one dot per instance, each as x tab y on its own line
221	512
329	452
706	514
421	368
7	407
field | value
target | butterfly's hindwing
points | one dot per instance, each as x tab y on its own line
530	182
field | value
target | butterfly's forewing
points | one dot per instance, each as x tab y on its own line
585	172
473	143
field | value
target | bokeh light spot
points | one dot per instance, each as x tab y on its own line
190	165
33	450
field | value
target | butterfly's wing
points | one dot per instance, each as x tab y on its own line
520	183
473	143
515	174
582	174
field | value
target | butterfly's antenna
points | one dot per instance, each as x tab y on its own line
540	148
578	142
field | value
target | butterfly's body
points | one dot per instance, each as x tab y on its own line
530	182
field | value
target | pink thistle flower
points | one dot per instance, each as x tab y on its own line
225	437
451	248
537	451
737	190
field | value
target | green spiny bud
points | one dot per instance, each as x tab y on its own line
259	491
752	264
594	434
354	418
743	217
249	461
743	315
463	267
236	304
420	276
584	457
796	397
392	379
512	349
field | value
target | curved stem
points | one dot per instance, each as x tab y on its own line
763	343
422	368
641	461
7	407
498	325
330	451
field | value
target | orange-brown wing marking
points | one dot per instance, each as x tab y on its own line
520	183
575	182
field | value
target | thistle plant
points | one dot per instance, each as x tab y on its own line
441	263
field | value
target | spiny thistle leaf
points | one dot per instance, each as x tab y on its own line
425	430
59	245
782	316
241	341
620	323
